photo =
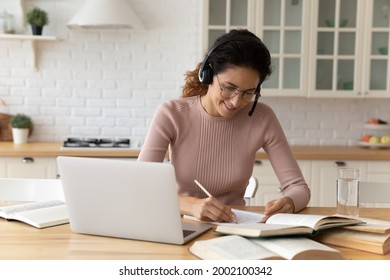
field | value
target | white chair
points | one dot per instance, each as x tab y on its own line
251	190
13	189
374	194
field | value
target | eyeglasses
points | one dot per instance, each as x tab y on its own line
229	92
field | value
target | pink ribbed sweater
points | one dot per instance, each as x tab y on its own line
220	152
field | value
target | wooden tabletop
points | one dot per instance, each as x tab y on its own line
21	241
42	149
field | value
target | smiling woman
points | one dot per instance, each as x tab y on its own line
214	131
225	98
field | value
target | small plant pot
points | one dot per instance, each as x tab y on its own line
36	30
20	135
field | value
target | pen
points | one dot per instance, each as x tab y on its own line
202	188
205	191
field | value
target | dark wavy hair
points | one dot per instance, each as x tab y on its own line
251	54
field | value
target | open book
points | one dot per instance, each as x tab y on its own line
287	224
39	214
374	236
234	247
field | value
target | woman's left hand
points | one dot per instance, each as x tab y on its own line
281	205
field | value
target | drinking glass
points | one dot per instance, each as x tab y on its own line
348	192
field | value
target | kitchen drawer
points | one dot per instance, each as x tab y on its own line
378	166
29	167
378	177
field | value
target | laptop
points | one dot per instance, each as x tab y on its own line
124	199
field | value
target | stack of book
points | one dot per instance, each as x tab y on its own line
276	239
373	236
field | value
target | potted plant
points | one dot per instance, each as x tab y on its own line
21	127
37	18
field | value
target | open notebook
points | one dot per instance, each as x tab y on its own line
125	199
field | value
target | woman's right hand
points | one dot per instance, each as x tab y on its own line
206	209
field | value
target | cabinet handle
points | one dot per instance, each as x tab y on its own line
27	160
340	163
258	162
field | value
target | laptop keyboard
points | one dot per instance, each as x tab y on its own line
187	232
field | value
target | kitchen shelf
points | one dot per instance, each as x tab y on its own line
31	40
27	37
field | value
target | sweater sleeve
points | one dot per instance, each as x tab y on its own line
284	164
160	135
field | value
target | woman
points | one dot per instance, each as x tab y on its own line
214	131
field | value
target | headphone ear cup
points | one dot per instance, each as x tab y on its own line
206	75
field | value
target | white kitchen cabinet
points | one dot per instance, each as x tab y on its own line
220	16
324	175
349	56
320	175
3	168
311	55
283	27
269	186
28	167
323	179
378	171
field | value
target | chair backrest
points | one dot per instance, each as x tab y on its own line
374	194
251	190
13	189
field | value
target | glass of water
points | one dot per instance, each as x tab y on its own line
348	192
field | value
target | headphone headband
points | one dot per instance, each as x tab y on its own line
205	74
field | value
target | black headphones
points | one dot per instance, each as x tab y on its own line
206	73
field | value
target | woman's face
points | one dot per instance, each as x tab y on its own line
243	79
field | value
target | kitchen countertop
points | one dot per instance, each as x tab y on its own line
53	149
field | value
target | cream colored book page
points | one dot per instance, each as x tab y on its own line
289	248
27	206
295	219
43	217
233	247
247	217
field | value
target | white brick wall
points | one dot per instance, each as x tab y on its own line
109	83
316	121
